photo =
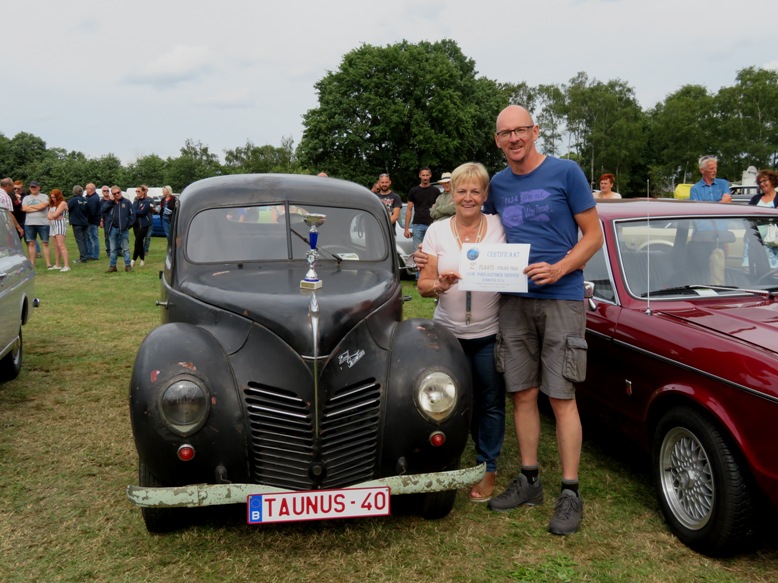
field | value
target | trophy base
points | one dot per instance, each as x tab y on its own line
310	284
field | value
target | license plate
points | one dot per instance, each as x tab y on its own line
317	505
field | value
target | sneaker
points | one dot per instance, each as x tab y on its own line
64	269
53	267
142	263
567	513
518	492
127	268
111	269
132	263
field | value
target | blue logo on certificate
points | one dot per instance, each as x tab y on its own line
472	254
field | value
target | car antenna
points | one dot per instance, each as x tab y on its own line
648	250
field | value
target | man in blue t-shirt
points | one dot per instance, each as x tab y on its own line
710	188
543	201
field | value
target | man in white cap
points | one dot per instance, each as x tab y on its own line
444	206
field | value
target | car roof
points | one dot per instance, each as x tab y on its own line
258	189
631	208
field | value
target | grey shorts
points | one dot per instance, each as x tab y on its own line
541	344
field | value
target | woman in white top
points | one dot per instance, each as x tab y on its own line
471	316
606	187
59	227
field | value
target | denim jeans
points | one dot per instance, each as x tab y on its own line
92	242
487	426
166	227
120	239
418	236
81	237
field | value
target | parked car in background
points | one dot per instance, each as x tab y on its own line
683	358
17	288
286	380
404	246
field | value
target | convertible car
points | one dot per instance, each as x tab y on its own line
683	358
282	376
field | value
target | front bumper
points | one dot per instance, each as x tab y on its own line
196	495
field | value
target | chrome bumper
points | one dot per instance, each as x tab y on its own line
196	495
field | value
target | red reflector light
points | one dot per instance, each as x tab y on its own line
438	438
186	452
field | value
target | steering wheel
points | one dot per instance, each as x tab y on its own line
770	278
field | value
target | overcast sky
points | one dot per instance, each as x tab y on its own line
141	77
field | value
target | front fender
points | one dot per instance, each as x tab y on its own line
182	351
418	348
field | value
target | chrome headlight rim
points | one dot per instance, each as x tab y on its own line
436	395
171	405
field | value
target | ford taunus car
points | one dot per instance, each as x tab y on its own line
17	285
284	379
683	358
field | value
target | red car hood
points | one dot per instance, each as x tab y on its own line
755	322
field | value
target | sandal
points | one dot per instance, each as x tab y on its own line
483	490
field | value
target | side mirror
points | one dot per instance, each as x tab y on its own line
589	294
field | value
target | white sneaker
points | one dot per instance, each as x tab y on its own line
132	263
142	263
53	267
64	269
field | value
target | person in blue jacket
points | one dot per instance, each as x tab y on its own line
119	218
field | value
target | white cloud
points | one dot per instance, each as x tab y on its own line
183	63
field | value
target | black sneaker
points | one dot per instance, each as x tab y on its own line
518	492
567	513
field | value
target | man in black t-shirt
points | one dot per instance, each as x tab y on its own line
420	201
391	200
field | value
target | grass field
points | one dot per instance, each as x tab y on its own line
67	456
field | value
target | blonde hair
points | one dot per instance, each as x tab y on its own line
470	171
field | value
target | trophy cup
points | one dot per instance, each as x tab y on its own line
312	280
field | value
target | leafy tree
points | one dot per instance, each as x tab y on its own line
680	134
149	170
397	108
747	120
195	163
261	159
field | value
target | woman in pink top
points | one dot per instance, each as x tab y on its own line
471	316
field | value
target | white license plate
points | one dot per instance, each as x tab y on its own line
317	505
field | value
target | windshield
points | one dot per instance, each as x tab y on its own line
668	254
279	232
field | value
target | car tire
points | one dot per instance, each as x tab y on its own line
437	505
158	520
704	494
11	363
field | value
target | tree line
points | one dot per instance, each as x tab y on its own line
399	107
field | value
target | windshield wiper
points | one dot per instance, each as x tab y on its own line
335	256
681	288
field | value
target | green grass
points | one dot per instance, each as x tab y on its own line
67	455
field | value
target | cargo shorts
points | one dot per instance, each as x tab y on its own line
541	344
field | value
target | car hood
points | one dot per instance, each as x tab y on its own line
755	322
273	299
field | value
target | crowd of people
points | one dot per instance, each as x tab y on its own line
41	219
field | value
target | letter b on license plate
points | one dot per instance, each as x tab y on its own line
317	505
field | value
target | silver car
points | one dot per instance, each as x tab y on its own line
17	285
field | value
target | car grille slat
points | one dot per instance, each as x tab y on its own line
283	440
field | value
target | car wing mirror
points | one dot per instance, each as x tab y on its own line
589	295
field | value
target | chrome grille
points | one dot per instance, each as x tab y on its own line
284	445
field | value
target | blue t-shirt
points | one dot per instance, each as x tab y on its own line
539	208
710	192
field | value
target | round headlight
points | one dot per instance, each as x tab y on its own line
184	406
436	395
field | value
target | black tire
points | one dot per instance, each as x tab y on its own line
437	505
159	520
11	363
704	493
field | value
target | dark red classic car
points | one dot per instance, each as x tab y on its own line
683	358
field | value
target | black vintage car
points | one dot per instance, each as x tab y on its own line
285	379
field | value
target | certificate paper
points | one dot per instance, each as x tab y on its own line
493	268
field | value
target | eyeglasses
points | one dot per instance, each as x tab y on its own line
763	181
521	132
106	190
115	193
